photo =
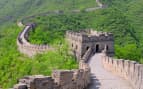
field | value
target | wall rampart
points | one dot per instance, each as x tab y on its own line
28	48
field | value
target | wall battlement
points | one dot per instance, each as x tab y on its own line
61	79
89	35
129	70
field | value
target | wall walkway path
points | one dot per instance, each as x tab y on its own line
103	79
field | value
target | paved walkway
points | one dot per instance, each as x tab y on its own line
102	79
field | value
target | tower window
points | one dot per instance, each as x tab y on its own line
87	47
72	44
97	48
107	47
76	47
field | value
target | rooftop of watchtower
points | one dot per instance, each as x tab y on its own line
90	33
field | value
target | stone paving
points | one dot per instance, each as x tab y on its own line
103	79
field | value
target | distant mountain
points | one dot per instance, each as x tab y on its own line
13	9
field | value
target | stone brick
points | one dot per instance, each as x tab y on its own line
43	82
115	66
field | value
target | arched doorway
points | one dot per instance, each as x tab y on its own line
97	47
107	47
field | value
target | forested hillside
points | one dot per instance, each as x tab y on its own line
122	17
132	12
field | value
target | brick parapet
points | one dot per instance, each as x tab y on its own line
129	70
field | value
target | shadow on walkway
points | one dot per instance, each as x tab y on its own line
95	84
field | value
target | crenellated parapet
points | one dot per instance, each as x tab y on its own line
60	79
89	35
129	70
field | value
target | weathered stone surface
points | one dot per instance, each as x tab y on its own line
62	77
20	86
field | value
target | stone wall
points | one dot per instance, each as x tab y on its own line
60	79
129	70
27	48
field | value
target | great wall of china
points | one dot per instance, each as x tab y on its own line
131	71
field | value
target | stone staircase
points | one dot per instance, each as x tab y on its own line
87	55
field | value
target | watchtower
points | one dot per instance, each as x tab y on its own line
90	41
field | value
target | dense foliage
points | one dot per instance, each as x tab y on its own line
132	10
53	27
14	65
